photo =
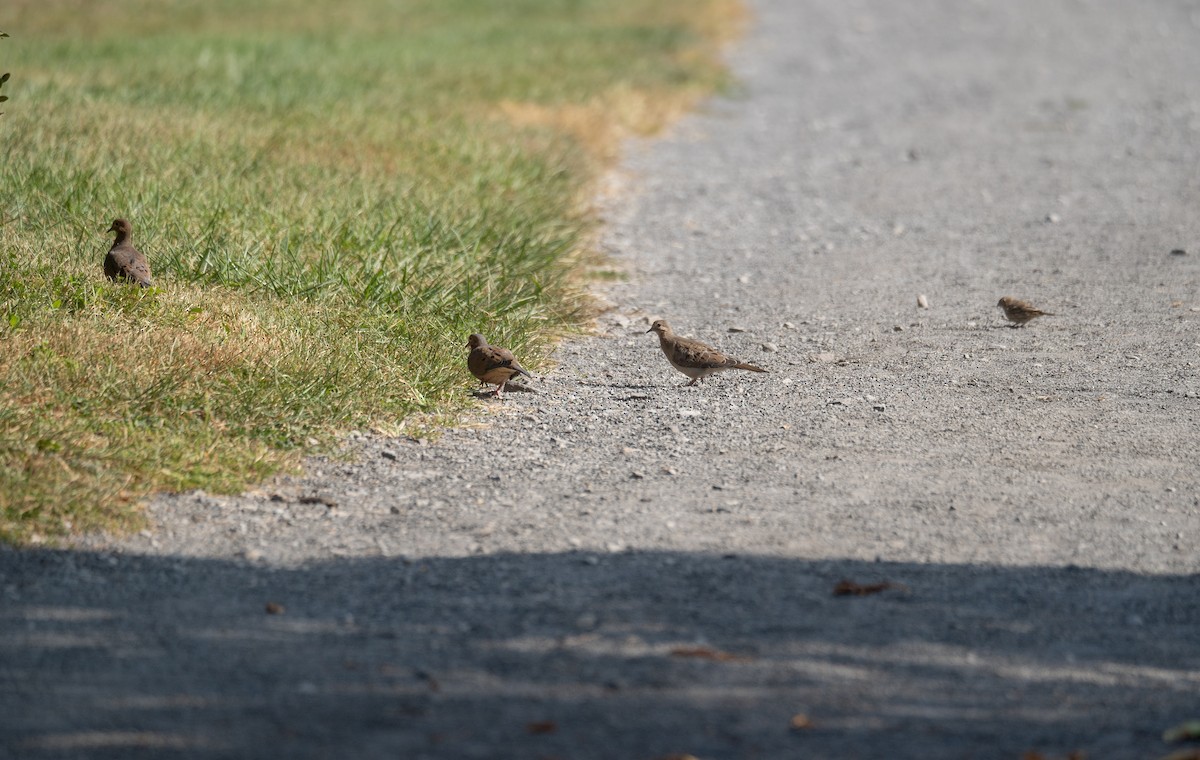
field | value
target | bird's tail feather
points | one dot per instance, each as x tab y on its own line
751	367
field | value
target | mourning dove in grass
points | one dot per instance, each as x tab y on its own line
1019	312
693	358
492	364
123	260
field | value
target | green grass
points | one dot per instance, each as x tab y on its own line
332	193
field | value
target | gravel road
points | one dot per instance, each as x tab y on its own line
616	566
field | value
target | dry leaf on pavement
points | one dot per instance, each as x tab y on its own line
707	653
846	587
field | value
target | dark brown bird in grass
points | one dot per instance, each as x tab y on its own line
1019	312
693	358
123	260
492	364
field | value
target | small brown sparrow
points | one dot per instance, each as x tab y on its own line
492	364
1019	312
693	358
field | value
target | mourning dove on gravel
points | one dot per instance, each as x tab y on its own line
123	260
693	358
1019	312
492	364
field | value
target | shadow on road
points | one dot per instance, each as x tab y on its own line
582	655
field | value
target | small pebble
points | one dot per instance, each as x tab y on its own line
737	329
388	454
922	301
1178	252
586	621
319	498
770	348
800	722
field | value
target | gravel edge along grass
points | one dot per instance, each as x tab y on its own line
329	207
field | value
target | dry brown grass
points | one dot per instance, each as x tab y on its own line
600	124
